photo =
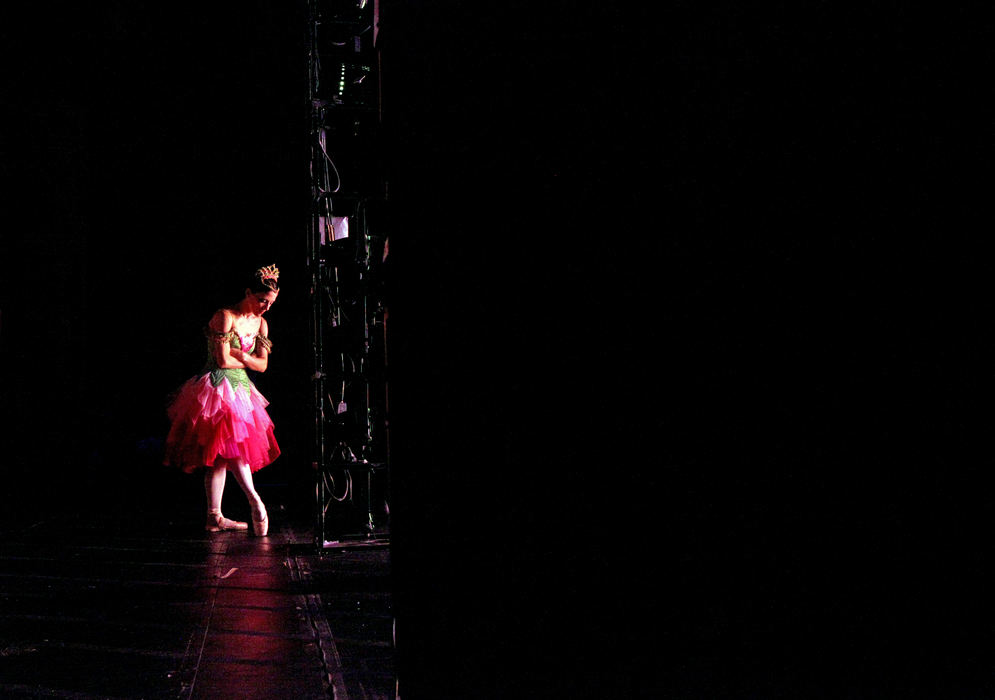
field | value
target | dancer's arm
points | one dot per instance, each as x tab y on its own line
258	359
221	324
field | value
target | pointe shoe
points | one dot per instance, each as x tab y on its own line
260	525
218	523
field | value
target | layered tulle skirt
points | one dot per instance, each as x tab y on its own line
218	418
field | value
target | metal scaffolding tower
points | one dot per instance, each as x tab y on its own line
347	252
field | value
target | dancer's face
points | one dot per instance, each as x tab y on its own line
259	302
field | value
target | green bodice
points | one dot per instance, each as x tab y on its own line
237	377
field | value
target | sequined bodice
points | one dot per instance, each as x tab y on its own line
239	342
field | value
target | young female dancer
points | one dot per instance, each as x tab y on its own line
218	418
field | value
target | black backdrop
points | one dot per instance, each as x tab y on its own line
688	314
154	158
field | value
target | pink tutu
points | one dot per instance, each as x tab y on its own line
218	417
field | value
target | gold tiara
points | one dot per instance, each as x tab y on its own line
270	272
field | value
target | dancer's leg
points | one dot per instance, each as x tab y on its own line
243	475
214	489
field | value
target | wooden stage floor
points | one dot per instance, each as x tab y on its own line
147	605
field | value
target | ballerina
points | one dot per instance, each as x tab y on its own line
218	419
